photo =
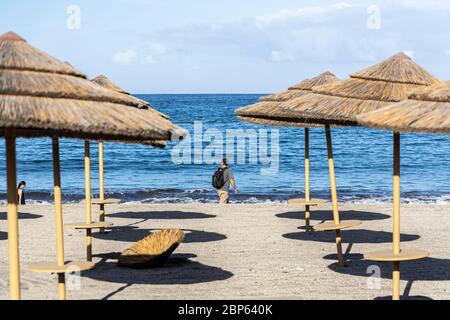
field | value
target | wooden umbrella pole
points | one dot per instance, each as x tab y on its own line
334	197
59	218
13	224
87	177
396	218
102	183
100	171
307	182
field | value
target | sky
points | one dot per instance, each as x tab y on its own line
230	46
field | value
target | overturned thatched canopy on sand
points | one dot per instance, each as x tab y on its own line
264	112
427	110
367	90
41	96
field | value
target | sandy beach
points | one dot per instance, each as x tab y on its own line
237	252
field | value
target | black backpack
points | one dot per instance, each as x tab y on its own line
218	179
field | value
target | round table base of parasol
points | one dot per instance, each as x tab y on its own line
88	226
388	256
331	226
53	267
304	202
105	201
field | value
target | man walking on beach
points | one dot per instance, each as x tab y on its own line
222	179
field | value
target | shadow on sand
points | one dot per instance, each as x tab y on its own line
428	269
350	236
178	270
3	216
134	234
324	215
161	215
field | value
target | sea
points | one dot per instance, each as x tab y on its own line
182	174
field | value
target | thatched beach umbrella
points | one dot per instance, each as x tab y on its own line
426	111
105	82
340	102
261	113
367	90
88	224
270	116
43	97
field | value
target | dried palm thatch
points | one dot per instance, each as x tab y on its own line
300	88
427	110
279	123
265	111
370	89
42	96
153	250
105	82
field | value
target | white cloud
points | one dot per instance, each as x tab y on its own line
328	34
306	13
433	5
126	57
149	59
147	53
153	51
279	56
155	48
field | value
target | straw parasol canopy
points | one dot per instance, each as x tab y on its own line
427	110
42	96
105	82
264	112
301	88
367	90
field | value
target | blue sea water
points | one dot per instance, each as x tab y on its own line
363	159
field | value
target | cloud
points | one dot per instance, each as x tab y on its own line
153	51
146	53
327	34
315	13
279	56
334	33
431	5
126	57
149	59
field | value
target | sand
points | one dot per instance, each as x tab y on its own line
237	252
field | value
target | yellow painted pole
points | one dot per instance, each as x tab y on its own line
59	218
102	183
396	218
87	177
13	224
334	197
307	182
100	170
